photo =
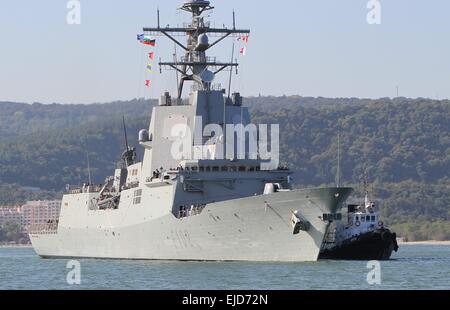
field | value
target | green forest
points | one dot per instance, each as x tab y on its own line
12	232
403	145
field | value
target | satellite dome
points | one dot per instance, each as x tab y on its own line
202	42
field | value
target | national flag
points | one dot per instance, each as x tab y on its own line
151	55
243	51
148	41
147	83
245	38
149	68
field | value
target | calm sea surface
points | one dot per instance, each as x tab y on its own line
413	267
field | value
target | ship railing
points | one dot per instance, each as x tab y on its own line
131	185
42	229
330	237
198	87
84	189
200	24
197	57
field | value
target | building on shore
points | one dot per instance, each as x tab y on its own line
31	213
10	214
39	212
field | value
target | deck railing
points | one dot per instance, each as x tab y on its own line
43	229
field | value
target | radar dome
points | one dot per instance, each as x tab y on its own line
203	42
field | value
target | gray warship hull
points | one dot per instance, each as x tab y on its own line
249	229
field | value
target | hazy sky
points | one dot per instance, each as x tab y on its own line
302	47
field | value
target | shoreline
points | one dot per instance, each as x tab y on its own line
428	242
16	246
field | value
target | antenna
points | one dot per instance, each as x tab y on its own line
366	188
158	18
88	162
231	73
234	20
175	58
338	176
125	132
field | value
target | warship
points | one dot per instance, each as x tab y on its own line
205	205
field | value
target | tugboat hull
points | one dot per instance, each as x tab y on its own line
374	245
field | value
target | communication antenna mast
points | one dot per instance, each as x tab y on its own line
88	161
231	72
175	59
195	65
338	175
366	188
125	133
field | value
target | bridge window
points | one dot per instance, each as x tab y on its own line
332	217
216	169
137	201
373	218
242	169
137	196
224	169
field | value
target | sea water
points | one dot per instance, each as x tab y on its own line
413	267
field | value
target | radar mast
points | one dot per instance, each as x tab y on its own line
195	65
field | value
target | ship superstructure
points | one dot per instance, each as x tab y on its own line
206	196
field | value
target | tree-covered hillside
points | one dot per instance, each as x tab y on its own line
392	141
18	119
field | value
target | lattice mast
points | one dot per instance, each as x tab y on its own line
195	65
